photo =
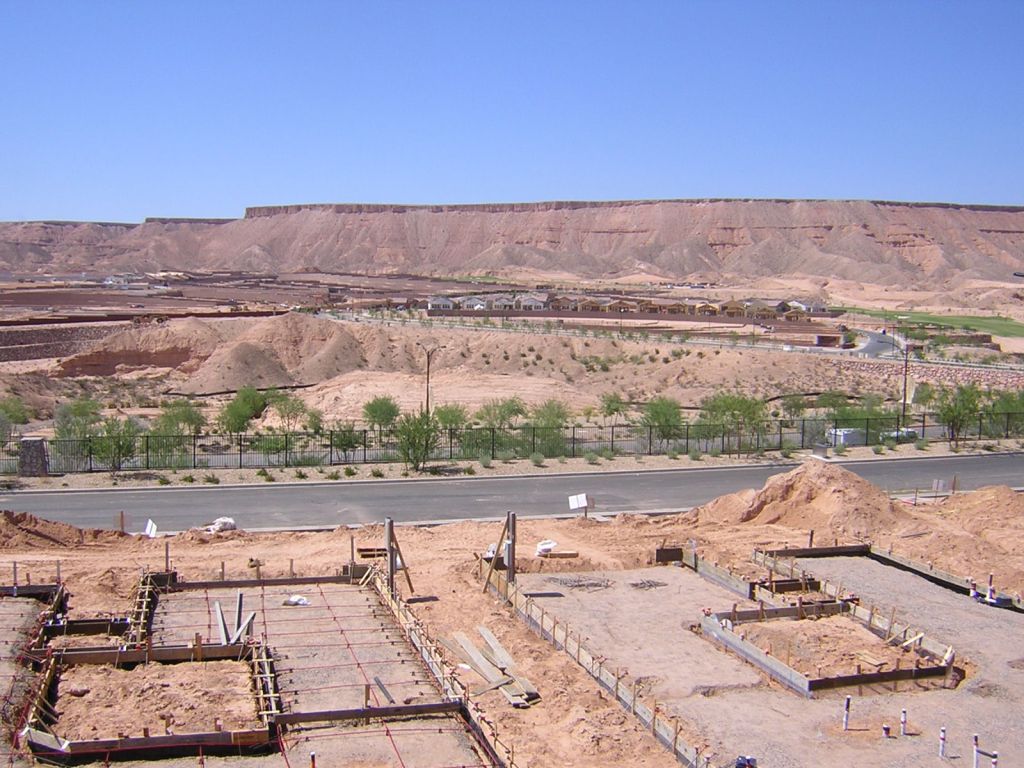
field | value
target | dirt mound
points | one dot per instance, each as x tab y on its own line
994	506
816	495
278	352
20	529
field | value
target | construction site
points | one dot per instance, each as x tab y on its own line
814	621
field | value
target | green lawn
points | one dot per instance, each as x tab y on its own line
997	325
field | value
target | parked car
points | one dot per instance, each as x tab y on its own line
846	436
901	435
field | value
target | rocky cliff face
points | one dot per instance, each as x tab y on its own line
929	245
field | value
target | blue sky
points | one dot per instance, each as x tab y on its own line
118	111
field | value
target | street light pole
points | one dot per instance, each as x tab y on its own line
430	354
906	371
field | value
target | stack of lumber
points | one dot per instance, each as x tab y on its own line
495	665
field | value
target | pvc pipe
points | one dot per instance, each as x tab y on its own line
886	731
942	742
312	760
991	589
995	759
846	714
903	722
976	750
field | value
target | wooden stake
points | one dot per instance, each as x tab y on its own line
222	572
167	556
291	568
892	620
121	516
497	553
405	563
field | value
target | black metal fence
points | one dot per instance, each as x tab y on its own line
367	446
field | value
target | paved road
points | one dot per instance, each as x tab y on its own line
331	504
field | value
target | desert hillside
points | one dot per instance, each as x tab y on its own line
927	245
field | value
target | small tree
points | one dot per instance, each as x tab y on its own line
115	444
5	428
14	409
290	409
418	436
314	421
958	408
345	438
381	412
247	404
665	418
794	406
76	420
451	415
613	406
551	413
179	418
501	413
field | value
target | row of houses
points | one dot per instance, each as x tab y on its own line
757	309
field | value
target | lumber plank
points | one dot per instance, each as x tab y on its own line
401	710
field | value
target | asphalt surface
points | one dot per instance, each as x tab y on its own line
331	504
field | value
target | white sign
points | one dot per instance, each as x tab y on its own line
578	502
150	529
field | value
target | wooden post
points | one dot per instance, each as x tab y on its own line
223	574
351	558
121	520
510	561
892	620
810	539
389	551
167	556
58	572
291	568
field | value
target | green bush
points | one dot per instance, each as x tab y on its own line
333	475
269	478
878	450
211	479
377	472
590	457
350	471
485	461
890	445
695	454
537	459
840	450
161	480
607	454
506	457
714	453
921	445
188	479
672	454
300	475
469	470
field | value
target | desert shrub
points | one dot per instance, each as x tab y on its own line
333	475
350	471
188	479
211	479
469	470
921	445
695	454
590	457
878	450
537	459
890	445
161	480
377	472
607	454
506	457
300	475
485	461
672	454
840	450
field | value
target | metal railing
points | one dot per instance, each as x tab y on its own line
369	446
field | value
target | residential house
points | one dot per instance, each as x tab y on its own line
440	303
531	302
502	302
563	303
473	303
587	304
668	306
731	308
707	309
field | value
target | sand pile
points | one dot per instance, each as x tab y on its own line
816	495
994	508
20	529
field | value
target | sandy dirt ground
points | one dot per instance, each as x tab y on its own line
576	723
186	698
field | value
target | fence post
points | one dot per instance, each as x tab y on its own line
613	437
193	451
803	431
574	441
239	450
1006	427
980	417
330	447
451	443
364	446
88	447
780	435
286	449
533	439
146	443
650	439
